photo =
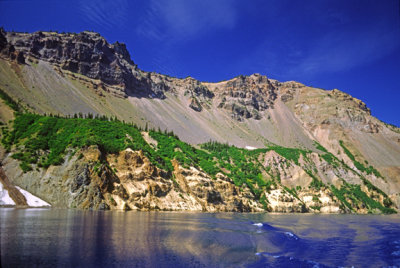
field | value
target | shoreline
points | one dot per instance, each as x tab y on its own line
189	211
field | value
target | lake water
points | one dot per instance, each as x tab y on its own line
71	238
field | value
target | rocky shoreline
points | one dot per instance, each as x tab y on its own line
138	185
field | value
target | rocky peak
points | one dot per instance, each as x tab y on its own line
241	82
3	39
196	89
89	54
86	53
7	50
247	96
354	102
120	49
111	68
288	89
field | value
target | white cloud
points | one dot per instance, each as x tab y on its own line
105	14
182	19
337	50
341	51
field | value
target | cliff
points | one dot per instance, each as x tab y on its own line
332	135
97	163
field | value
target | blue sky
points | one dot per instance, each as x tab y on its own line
350	45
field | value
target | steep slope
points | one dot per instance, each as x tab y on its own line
106	164
81	73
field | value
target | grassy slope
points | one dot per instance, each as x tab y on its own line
239	164
40	141
45	90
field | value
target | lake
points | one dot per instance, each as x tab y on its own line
72	238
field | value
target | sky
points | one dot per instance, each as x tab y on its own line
346	44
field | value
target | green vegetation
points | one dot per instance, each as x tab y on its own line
369	170
331	159
351	196
292	192
242	165
45	140
316	207
340	195
170	147
264	202
386	201
290	153
9	101
327	156
315	183
320	147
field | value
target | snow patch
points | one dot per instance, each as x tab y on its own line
32	200
250	147
5	198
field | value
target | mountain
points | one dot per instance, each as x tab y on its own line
279	146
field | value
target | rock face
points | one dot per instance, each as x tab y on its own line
246	96
70	73
7	50
90	179
128	181
89	54
86	53
110	68
195	105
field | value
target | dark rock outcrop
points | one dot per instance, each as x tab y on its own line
7	50
85	53
88	54
195	105
111	69
246	96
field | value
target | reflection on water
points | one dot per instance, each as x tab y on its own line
70	238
